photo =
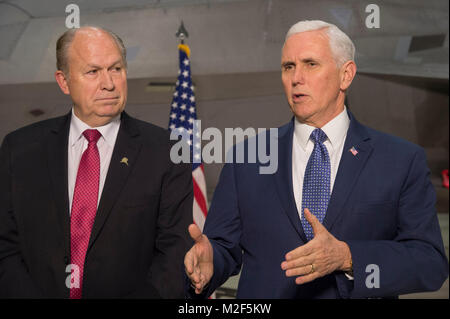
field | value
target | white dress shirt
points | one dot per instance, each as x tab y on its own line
78	144
302	147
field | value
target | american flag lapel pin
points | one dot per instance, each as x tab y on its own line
353	151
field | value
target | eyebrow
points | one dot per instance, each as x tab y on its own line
307	60
287	63
99	67
304	60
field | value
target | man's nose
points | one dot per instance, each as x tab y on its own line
298	77
107	82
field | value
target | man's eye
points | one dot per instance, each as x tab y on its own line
117	68
312	63
92	72
288	67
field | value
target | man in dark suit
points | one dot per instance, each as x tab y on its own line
91	205
350	212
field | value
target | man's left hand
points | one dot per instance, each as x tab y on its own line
321	256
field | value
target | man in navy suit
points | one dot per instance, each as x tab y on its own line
368	228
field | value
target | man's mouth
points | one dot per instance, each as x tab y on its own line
108	98
298	97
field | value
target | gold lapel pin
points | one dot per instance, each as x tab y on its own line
124	160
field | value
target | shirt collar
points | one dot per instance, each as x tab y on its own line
107	131
336	130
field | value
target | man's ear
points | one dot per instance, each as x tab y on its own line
348	72
62	81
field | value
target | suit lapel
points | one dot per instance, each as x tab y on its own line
127	145
283	177
56	149
350	168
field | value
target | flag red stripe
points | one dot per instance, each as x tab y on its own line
199	197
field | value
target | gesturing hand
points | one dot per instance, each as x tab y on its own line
198	262
320	256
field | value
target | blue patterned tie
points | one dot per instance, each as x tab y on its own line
316	183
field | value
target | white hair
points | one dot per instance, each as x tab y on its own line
341	45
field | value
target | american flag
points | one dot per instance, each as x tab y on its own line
353	151
182	116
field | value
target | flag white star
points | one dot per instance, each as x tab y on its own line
172	126
173	116
192	98
174	105
184	96
191	120
189	142
185	73
197	145
186	62
175	93
192	88
192	109
183	107
197	156
184	84
182	118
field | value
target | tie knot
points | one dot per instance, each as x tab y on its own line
318	136
92	135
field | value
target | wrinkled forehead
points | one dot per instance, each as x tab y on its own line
306	42
92	38
93	46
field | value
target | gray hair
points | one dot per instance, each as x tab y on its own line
341	45
66	39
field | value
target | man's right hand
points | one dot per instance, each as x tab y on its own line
198	262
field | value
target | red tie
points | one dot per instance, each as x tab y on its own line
84	208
